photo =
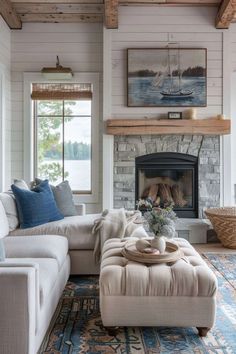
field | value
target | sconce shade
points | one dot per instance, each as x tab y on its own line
57	73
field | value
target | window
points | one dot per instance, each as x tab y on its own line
63	142
62	124
80	97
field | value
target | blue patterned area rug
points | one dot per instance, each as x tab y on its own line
77	327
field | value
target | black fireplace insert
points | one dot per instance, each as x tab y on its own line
168	178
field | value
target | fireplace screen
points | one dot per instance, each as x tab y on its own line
168	179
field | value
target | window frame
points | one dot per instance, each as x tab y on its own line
63	116
29	131
2	126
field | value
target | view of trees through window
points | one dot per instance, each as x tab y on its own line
63	142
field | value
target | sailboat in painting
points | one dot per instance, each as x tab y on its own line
158	79
173	90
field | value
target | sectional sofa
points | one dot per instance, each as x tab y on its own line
32	277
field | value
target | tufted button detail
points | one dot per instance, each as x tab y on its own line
120	276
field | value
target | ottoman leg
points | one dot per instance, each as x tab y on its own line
112	331
202	331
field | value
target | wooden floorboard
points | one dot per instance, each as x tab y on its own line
213	247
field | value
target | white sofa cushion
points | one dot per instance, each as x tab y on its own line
9	203
48	271
55	247
78	230
4	229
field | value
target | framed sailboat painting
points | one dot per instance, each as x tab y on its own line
167	77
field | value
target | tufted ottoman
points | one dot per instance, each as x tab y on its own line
181	294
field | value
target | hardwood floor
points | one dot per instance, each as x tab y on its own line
213	247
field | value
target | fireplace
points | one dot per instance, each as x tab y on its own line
168	178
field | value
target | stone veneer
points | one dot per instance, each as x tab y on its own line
207	148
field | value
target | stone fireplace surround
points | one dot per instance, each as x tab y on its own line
206	147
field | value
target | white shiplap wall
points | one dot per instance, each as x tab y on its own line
153	27
233	45
79	46
233	105
5	61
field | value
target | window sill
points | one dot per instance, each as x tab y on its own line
86	198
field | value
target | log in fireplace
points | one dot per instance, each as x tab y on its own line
168	178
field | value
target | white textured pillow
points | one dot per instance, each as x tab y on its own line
20	183
4	229
9	204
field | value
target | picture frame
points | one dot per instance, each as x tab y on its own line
167	77
174	115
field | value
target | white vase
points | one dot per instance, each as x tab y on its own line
142	244
159	243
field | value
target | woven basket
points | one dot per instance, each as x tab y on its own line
224	223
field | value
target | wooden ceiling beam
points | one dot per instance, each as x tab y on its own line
59	1
194	2
61	18
91	11
111	13
34	8
226	13
9	14
170	2
141	2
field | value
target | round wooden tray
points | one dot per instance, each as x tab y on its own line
172	254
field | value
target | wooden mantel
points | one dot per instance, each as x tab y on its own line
167	126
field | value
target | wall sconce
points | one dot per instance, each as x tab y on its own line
57	73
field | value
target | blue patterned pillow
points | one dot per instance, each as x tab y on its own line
36	207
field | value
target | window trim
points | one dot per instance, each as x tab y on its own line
2	126
93	78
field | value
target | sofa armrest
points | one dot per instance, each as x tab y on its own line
18	307
80	208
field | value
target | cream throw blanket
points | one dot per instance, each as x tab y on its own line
115	223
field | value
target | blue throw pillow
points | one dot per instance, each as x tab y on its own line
36	207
